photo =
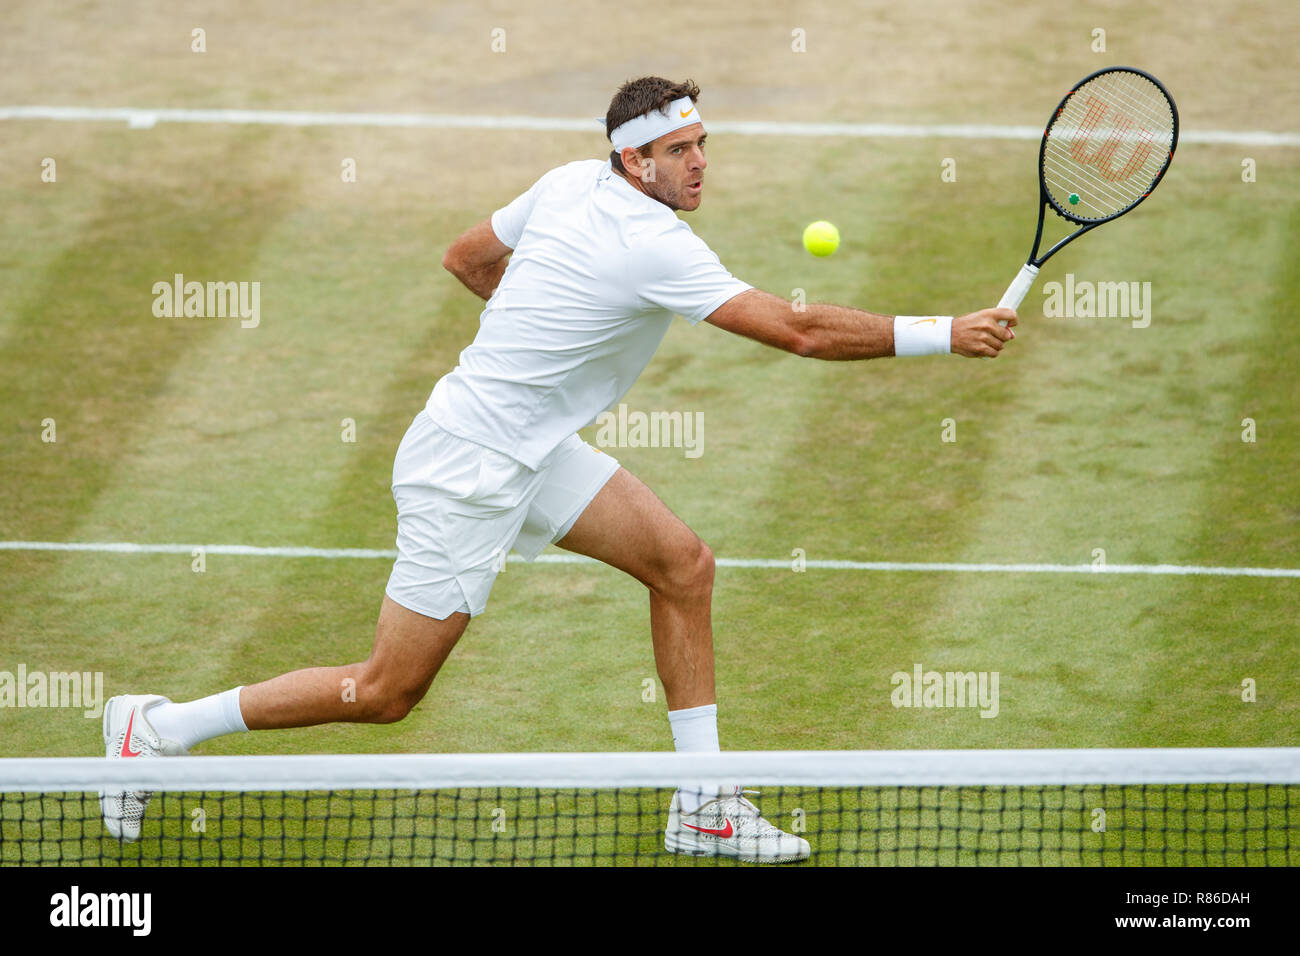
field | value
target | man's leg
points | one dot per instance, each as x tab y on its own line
409	651
628	527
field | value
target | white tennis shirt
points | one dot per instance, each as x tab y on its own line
598	271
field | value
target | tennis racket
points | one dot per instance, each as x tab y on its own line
1106	147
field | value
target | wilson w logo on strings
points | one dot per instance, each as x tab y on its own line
1121	129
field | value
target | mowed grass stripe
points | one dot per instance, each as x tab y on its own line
1228	648
934	247
88	352
142	394
1253	502
400	322
251	437
43	220
1109	441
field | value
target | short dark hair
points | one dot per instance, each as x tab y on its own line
638	97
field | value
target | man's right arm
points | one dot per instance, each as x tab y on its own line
478	259
834	332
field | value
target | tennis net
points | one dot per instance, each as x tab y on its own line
1157	807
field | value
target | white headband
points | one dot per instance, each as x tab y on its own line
650	126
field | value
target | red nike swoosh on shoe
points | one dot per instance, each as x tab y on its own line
724	832
128	752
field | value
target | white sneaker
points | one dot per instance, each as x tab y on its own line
730	826
128	733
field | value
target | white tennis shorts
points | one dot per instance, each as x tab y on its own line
461	507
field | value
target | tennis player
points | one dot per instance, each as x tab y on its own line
582	274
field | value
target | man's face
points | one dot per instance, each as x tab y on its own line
678	168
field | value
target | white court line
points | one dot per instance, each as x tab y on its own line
245	550
138	118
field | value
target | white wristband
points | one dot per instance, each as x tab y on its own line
922	335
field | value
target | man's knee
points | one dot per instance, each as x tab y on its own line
688	569
705	565
384	700
395	707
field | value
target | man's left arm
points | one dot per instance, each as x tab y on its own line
838	332
478	259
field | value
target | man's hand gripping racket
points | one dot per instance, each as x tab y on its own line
1106	147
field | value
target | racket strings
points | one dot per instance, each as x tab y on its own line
1069	178
1107	145
1074	167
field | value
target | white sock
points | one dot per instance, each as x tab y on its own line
695	730
199	720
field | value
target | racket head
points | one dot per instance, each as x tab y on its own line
1108	145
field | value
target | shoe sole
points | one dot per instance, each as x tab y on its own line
695	849
689	849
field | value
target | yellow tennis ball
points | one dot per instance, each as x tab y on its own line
821	238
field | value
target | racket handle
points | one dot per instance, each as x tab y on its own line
1019	288
1017	291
